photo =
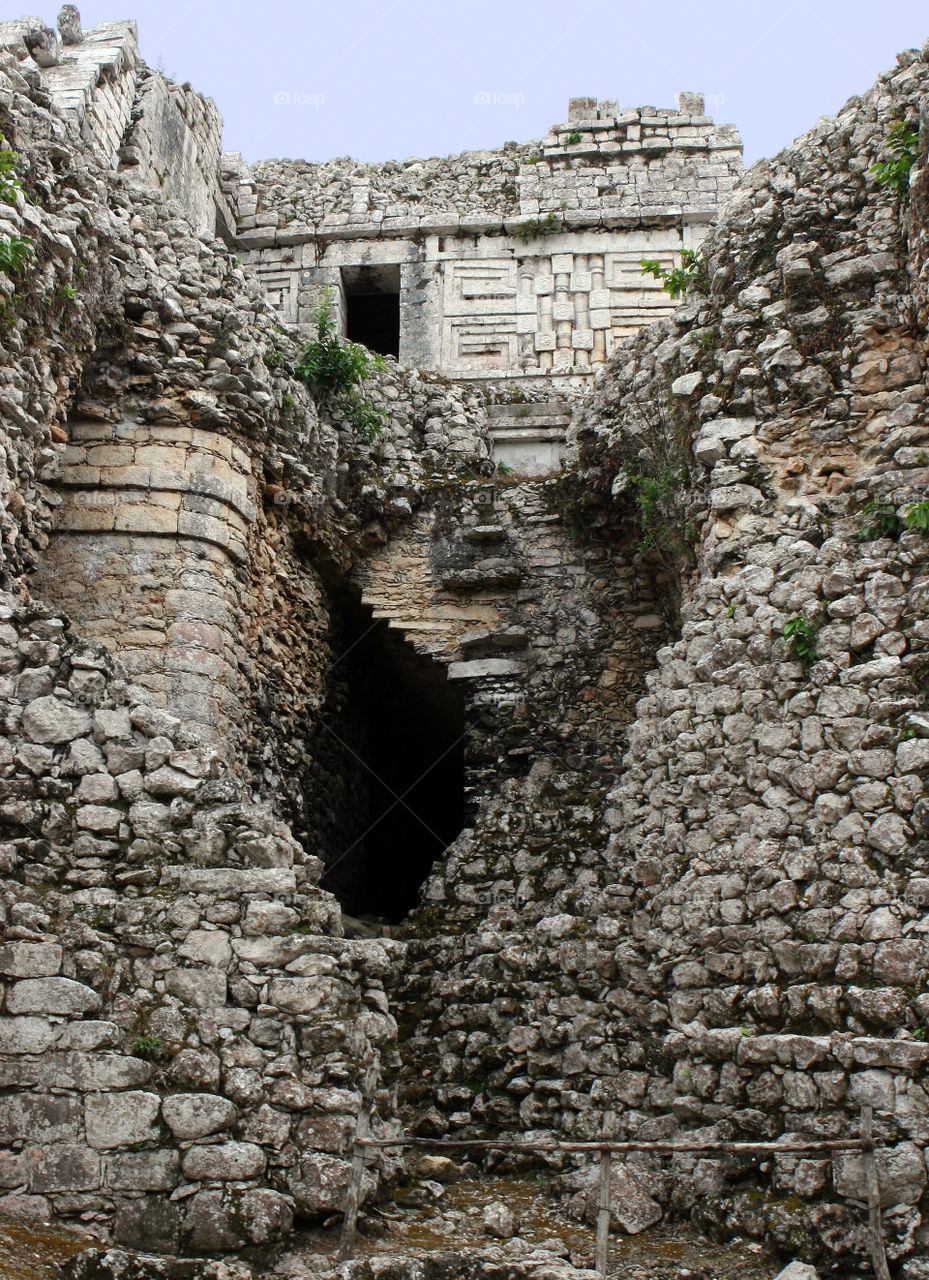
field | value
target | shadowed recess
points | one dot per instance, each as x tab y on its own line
404	724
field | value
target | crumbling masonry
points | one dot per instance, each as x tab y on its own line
672	869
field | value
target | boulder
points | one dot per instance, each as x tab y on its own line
195	1115
52	720
121	1119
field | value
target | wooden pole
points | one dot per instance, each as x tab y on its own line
875	1228
603	1207
359	1156
668	1148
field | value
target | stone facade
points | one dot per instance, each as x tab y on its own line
690	882
522	263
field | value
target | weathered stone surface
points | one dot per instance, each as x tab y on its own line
52	995
498	1221
40	1118
207	946
901	1175
65	1167
51	720
30	959
26	1035
631	1207
144	1171
205	989
194	1115
227	1161
121	1119
319	1184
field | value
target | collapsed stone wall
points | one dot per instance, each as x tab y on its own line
128	115
603	162
184	1030
739	946
725	938
128	838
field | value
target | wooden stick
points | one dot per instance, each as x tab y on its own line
875	1228
603	1208
359	1154
503	1144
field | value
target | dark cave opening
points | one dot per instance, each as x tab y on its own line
400	735
372	307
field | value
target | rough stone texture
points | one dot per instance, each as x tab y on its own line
522	263
702	909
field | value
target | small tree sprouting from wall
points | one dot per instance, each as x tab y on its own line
335	367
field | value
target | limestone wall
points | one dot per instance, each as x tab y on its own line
183	1031
731	939
152	522
90	77
175	139
519	263
721	933
128	115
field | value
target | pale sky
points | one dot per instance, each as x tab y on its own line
388	79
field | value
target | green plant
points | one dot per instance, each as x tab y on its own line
331	365
146	1046
901	147
572	139
10	185
534	228
365	418
731	610
652	468
67	293
535	158
881	520
655	497
906	735
273	356
504	469
919	1033
800	637
917	516
691	275
14	253
922	458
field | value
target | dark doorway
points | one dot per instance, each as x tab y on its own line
372	307
401	726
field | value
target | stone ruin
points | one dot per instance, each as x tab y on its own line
327	758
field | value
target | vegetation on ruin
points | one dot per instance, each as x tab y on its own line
331	365
917	517
10	185
800	637
14	254
655	474
901	147
146	1046
690	277
880	518
14	251
535	228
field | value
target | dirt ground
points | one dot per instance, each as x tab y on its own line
420	1222
32	1251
